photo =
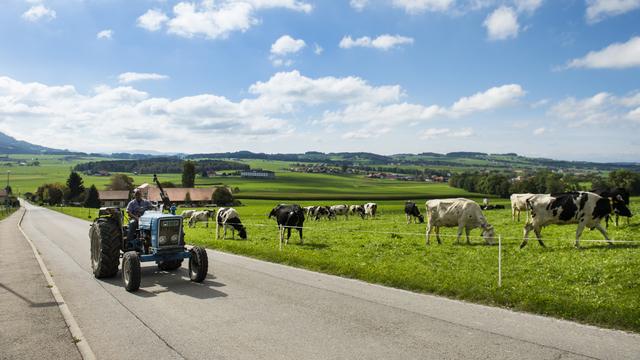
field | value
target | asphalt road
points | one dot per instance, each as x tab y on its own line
249	309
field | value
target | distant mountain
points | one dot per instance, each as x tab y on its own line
9	145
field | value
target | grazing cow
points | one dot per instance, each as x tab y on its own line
619	199
308	210
320	212
519	204
228	217
356	210
288	216
201	216
340	210
187	214
463	213
492	207
583	208
370	209
412	212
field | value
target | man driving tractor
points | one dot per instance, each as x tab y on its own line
135	209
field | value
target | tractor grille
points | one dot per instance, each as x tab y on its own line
169	234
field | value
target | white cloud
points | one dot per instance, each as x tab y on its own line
420	6
129	77
215	19
382	42
39	12
286	45
597	10
367	133
528	6
493	98
434	133
601	108
105	34
502	24
359	5
152	20
614	56
317	49
539	131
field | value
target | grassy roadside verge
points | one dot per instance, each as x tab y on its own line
598	285
6	212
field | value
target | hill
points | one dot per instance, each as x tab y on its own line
10	145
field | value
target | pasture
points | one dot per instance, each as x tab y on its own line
597	285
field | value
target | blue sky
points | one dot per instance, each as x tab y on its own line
557	79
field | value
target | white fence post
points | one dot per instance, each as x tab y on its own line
499	260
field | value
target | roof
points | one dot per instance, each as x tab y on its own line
178	194
3	192
113	194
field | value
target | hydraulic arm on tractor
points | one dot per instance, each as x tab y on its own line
165	199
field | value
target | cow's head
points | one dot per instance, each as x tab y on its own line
619	207
488	233
420	218
242	231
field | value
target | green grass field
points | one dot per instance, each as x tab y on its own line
597	284
286	185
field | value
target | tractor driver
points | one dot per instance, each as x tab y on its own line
135	209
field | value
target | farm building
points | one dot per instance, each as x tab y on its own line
258	174
198	196
118	198
3	196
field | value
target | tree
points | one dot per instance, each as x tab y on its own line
167	184
205	174
92	200
75	186
222	196
187	198
121	182
51	194
189	174
8	189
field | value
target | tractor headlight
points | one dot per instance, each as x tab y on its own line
174	238
162	239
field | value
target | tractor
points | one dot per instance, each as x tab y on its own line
160	238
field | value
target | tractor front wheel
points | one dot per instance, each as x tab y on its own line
169	265
198	264
131	271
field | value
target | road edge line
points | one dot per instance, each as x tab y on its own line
76	333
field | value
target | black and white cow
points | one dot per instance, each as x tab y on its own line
583	208
287	217
340	210
412	212
321	211
356	210
228	217
201	216
459	212
370	209
619	199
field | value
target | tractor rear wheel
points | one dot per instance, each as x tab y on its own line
169	265
198	264
106	237
131	271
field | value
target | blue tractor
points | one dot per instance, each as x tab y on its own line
159	238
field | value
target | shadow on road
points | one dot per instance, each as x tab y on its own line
155	282
27	300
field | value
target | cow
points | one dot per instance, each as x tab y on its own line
287	217
412	212
340	210
580	207
619	199
321	211
199	216
460	212
356	210
370	209
519	204
187	214
308	210
228	217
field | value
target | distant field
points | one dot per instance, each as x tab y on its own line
287	185
597	285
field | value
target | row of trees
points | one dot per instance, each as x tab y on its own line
543	182
169	165
73	191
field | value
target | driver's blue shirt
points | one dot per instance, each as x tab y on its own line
138	207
